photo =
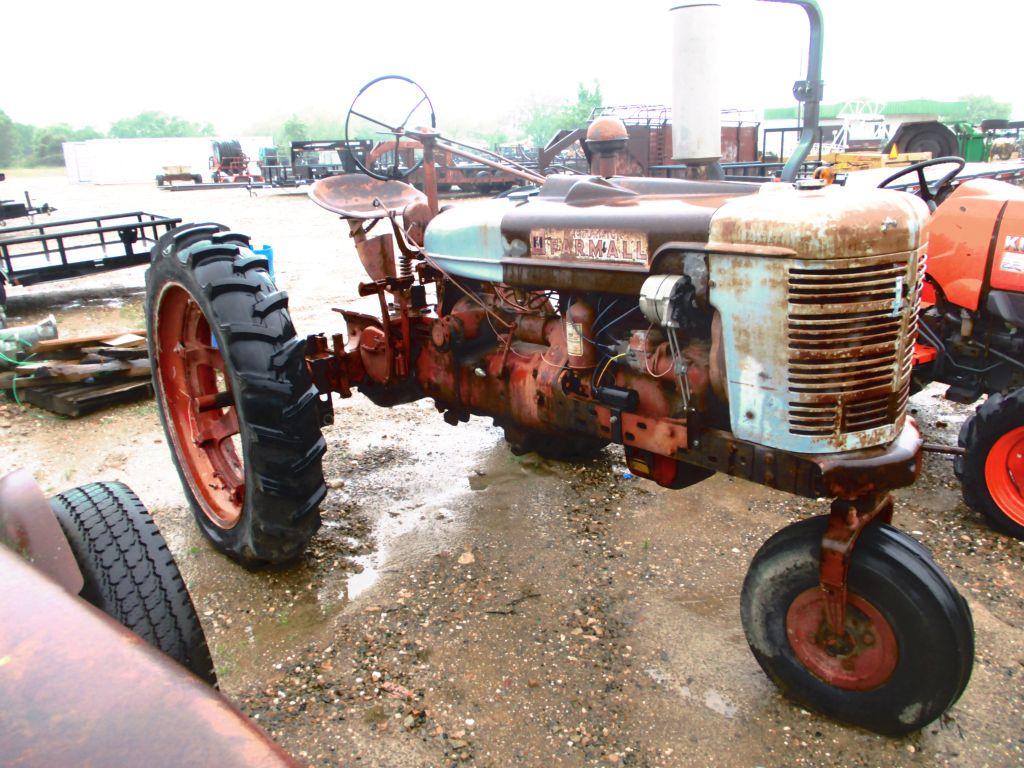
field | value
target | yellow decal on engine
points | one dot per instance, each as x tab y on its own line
589	245
574	339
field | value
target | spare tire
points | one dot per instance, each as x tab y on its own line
130	574
928	137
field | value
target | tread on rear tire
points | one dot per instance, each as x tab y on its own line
274	398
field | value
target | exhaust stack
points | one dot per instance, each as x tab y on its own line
696	81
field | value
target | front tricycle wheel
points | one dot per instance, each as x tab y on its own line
235	397
907	648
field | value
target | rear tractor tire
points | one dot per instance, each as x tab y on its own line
235	397
991	472
908	648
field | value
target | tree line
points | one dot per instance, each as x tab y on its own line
22	144
533	124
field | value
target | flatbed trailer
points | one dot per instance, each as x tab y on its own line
311	161
212	185
1011	171
58	250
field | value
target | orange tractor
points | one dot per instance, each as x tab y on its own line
971	330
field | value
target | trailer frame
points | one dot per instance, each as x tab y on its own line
131	235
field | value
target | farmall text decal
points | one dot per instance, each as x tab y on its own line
589	245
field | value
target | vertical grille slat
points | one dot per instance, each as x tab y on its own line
851	327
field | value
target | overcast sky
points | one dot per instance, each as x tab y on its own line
236	63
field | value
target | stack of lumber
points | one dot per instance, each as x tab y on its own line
76	376
860	161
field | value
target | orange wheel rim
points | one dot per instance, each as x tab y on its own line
199	406
868	653
1004	474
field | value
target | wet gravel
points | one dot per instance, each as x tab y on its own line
462	606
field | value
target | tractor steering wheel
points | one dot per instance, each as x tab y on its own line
935	192
400	99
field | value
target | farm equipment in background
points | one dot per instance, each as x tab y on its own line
230	165
173	173
649	143
972	330
309	161
452	170
762	331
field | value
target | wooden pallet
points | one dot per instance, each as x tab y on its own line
76	400
76	376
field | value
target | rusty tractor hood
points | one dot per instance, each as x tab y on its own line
588	233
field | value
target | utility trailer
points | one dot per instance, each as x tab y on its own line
58	250
11	209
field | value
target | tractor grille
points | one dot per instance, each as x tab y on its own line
851	326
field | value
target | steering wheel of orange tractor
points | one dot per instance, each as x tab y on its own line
933	193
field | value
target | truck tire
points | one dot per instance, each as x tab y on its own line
237	403
927	137
991	471
905	618
129	573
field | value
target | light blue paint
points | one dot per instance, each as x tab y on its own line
267	251
466	240
751	295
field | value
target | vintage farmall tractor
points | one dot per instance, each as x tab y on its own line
972	329
763	331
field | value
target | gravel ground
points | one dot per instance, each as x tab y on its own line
462	606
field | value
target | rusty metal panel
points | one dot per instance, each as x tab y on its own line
80	690
29	527
818	346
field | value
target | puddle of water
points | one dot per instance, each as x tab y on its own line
411	492
716	702
713	700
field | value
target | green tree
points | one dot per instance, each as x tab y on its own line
293	129
8	140
24	138
541	121
983	107
155	125
47	142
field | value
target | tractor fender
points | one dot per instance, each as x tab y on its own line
29	527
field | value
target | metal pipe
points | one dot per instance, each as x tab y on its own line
808	91
533	178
